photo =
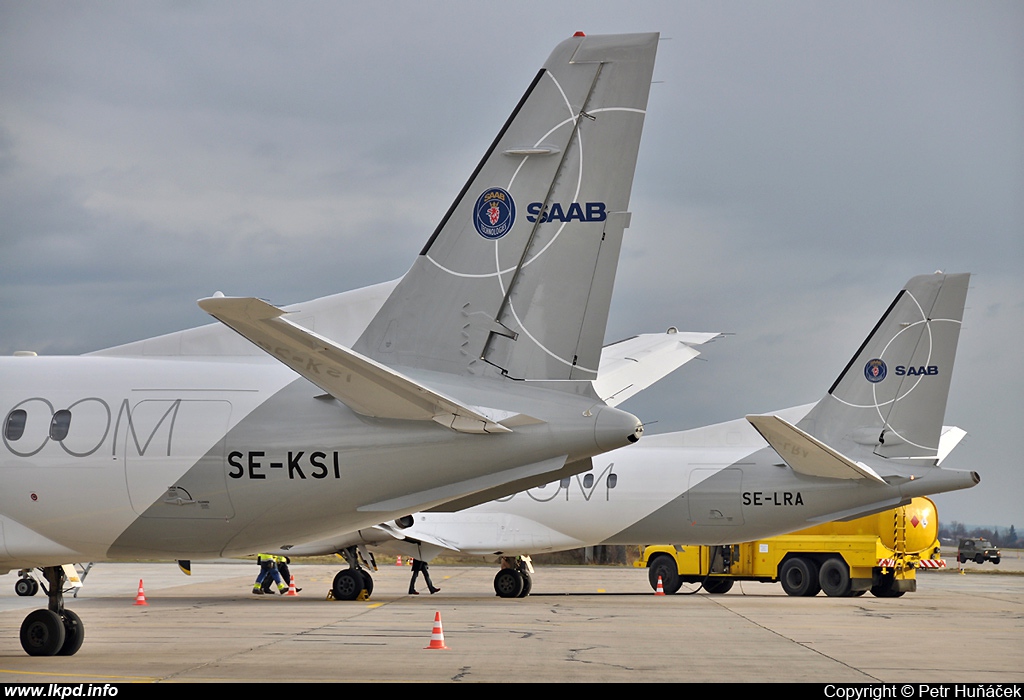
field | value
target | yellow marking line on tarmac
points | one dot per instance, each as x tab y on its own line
80	676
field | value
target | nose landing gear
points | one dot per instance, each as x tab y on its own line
55	631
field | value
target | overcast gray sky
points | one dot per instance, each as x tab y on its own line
800	162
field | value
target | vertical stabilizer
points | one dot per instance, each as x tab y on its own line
891	398
516	280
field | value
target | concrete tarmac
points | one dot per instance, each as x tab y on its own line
591	624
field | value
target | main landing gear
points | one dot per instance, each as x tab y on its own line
54	631
514	579
355	581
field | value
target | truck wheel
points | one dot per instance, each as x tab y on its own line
962	558
799	577
995	560
718	586
834	578
978	559
884	587
664	566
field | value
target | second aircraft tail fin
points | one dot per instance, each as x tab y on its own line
891	397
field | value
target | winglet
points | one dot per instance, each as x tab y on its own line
365	386
806	455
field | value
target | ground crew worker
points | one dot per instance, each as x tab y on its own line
417	567
268	566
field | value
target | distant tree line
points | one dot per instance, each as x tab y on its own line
1000	538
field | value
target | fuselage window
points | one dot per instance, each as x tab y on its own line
60	424
14	427
588	480
612	480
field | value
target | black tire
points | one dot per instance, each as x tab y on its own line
799	577
508	583
367	582
962	558
42	633
74	634
527	584
664	566
348	584
718	586
884	589
834	578
979	559
26	587
995	560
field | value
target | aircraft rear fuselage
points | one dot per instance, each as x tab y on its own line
191	458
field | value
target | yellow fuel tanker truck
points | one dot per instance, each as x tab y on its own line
879	553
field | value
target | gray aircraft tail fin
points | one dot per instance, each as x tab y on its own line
891	397
516	280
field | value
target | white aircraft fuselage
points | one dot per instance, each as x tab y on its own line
194	458
721	484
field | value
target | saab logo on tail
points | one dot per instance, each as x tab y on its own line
589	211
494	213
930	370
875	371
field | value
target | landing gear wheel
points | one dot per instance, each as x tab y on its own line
508	583
664	566
348	584
834	578
367	582
42	633
799	577
527	584
718	586
74	634
26	586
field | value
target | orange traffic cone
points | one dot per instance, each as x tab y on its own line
140	599
661	589
291	587
398	560
437	636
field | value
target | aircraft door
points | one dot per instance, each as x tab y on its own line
174	455
714	496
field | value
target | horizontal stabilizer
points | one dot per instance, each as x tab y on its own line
507	489
949	438
365	386
630	366
806	455
413	533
